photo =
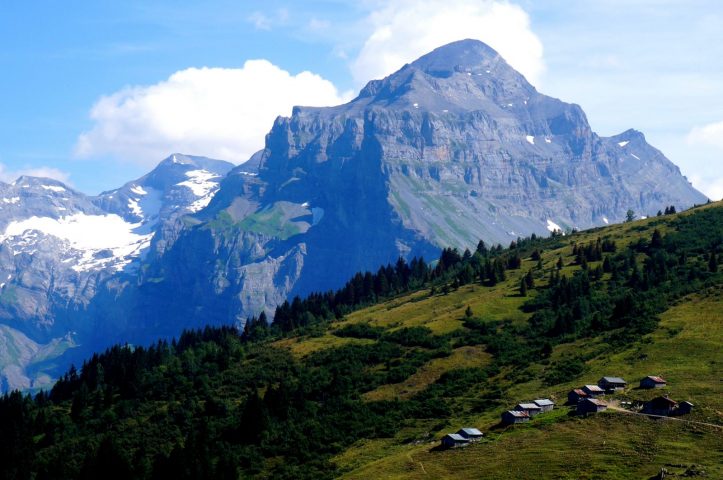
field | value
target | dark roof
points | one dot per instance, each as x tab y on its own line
613	380
518	413
656	379
663	401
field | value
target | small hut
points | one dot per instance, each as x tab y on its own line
545	404
651	381
612	384
591	405
453	440
515	416
532	409
471	434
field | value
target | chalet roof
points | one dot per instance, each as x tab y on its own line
470	431
518	413
687	403
656	379
594	388
613	380
663	401
528	406
456	437
597	402
580	392
544	402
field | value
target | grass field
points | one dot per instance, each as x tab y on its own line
686	348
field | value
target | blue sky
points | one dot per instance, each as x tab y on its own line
96	93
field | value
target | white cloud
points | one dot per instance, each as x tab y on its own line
217	112
404	30
8	176
711	134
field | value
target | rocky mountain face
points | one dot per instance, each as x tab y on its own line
61	250
453	147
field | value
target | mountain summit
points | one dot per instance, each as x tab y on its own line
452	148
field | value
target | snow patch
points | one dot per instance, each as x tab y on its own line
415	105
305	204
622	144
134	207
635	156
138	190
548	140
199	181
53	188
605	219
99	241
530	139
552	226
11	200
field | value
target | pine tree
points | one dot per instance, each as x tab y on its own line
529	280
713	262
523	288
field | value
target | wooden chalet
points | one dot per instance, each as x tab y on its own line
593	391
612	384
471	434
575	395
545	404
651	381
515	416
453	440
532	409
591	405
663	406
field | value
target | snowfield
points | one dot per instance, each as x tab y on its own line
87	236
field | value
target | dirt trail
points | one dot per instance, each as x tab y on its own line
614	406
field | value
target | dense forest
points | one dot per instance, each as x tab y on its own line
218	403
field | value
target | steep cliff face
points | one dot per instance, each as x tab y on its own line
465	148
454	147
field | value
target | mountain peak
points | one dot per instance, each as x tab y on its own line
47	183
461	56
179	161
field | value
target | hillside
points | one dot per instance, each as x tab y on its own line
362	383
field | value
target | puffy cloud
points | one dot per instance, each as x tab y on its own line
217	112
407	29
711	134
8	175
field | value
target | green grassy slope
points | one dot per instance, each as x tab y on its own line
368	393
686	348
